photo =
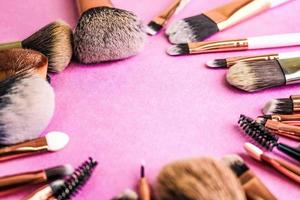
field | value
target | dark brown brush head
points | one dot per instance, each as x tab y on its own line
15	61
198	179
105	34
55	41
255	76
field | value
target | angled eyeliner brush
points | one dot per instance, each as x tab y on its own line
289	105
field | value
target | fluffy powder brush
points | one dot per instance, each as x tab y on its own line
53	40
198	179
104	33
26	108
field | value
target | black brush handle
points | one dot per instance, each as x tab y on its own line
292	152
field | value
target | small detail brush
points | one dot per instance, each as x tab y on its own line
260	75
144	187
104	33
51	142
290	170
46	191
262	136
228	62
11	183
283	106
199	27
53	40
159	21
260	42
253	186
76	181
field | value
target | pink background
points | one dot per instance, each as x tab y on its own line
152	107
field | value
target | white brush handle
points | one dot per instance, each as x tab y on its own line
287	55
275	3
272	41
182	4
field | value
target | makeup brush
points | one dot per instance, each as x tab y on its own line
260	75
159	21
199	27
53	40
128	194
286	168
104	33
51	142
263	137
76	181
144	187
283	106
253	186
26	108
198	179
292	119
17	60
259	42
228	62
11	183
46	191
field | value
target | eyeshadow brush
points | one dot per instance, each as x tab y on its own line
289	105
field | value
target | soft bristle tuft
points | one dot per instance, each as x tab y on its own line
278	106
55	41
258	132
179	49
153	28
217	63
76	181
192	29
56	140
253	151
59	172
255	76
236	163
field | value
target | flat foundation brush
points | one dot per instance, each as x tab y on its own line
289	105
159	21
260	75
104	33
266	139
228	62
199	27
260	42
53	40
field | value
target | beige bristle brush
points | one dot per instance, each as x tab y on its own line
199	27
285	106
198	179
242	44
228	62
259	75
160	21
53	40
104	33
17	60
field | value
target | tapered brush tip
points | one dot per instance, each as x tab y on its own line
278	106
153	28
57	140
217	63
253	151
59	172
142	171
176	50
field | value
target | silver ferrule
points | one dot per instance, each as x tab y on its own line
291	70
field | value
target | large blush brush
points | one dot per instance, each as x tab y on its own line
53	40
104	33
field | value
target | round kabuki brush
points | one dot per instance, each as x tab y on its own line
15	61
26	108
198	179
53	40
104	33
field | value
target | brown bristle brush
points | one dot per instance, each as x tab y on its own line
53	40
104	33
198	179
18	60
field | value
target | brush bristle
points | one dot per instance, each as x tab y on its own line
55	41
128	194
192	29
258	132
217	63
59	172
153	28
255	76
106	34
253	151
279	106
236	163
179	49
26	108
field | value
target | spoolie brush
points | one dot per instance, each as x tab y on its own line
267	140
53	40
104	33
283	106
256	76
76	181
26	108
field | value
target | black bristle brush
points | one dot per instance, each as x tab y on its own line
53	40
76	181
266	139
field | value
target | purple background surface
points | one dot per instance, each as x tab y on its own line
151	107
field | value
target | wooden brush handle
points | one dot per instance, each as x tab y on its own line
84	5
